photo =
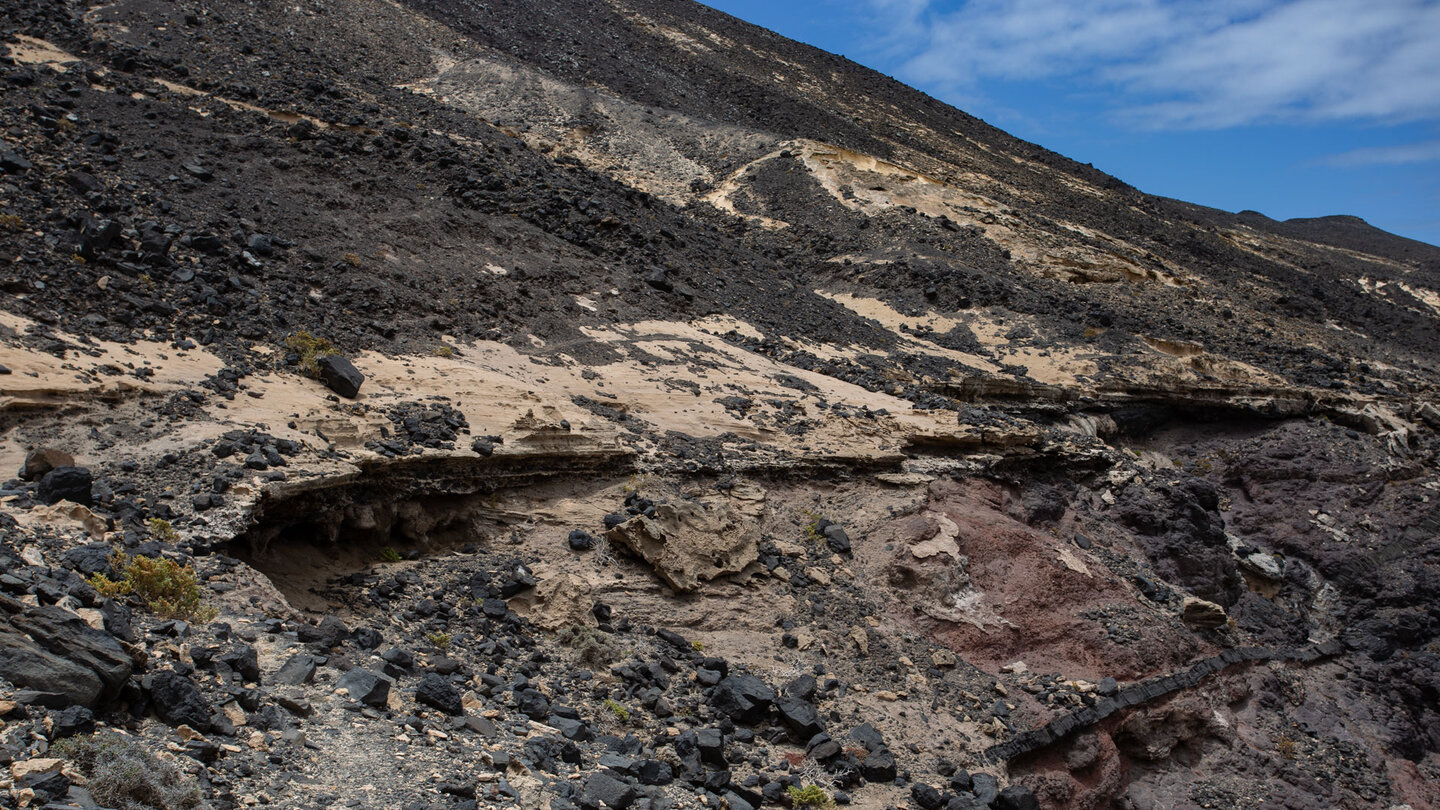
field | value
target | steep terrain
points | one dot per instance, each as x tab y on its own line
735	427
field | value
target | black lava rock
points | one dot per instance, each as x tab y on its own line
178	701
340	375
654	772
298	669
89	559
72	721
65	484
1016	797
801	717
879	766
742	698
366	686
245	661
927	797
436	692
602	788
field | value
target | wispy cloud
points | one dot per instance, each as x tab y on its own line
1400	155
1180	64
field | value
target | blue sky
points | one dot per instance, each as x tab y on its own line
1294	108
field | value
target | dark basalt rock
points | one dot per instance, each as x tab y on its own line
654	772
879	765
367	687
245	661
437	692
742	698
50	649
297	670
65	484
340	375
88	560
603	789
1016	797
801	717
926	797
177	700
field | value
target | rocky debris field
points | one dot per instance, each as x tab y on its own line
548	666
551	404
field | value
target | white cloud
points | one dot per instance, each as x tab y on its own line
1400	155
1185	63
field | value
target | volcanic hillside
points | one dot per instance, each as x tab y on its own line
566	403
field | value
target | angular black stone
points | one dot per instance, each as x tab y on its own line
365	686
927	797
879	766
654	772
437	692
178	701
65	484
244	660
800	717
742	698
868	736
603	788
297	670
340	375
1015	797
822	748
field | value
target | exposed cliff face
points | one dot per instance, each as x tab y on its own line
959	462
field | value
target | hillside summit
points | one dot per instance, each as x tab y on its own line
577	404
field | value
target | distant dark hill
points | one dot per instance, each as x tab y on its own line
1354	233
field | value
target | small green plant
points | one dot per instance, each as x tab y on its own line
444	351
108	587
1285	747
389	554
10	222
697	645
808	796
621	713
310	349
161	530
166	588
439	641
120	773
812	527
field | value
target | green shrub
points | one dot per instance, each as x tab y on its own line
389	554
439	641
812	527
621	713
120	773
166	588
161	530
310	349
808	796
